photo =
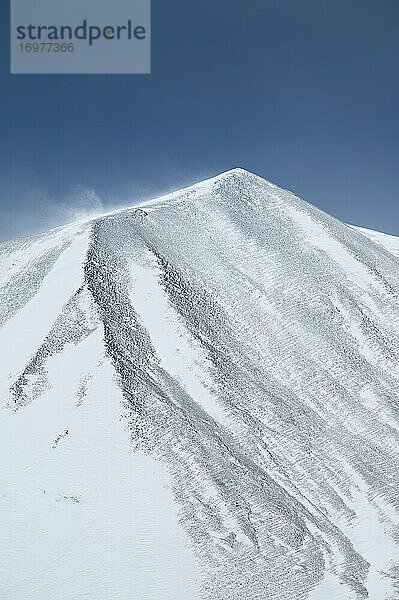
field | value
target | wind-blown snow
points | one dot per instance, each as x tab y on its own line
200	400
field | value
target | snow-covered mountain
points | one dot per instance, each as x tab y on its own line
199	400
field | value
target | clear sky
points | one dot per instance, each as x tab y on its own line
302	92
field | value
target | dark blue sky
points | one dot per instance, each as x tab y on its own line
304	93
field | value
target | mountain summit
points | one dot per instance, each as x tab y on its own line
200	401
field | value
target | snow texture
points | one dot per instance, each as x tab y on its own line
199	400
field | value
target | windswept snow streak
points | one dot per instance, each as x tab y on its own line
254	348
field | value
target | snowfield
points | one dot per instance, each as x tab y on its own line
199	400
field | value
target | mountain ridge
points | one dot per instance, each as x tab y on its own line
384	239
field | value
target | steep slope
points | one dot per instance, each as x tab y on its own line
200	400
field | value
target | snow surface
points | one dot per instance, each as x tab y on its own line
389	242
199	399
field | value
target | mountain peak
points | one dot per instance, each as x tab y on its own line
207	188
235	171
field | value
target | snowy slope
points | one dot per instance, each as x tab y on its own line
200	400
389	242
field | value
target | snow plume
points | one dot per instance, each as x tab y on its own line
33	209
80	205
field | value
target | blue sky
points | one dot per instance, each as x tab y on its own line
304	93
